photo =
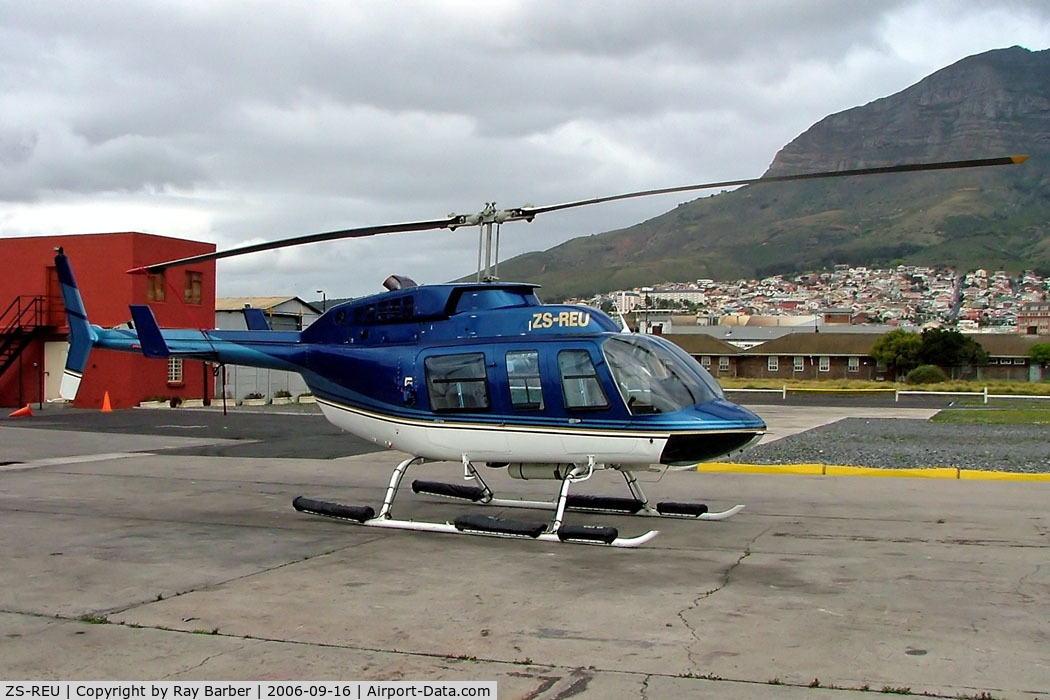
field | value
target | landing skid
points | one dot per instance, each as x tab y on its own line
554	531
637	504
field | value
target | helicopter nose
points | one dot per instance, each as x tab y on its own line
724	427
721	409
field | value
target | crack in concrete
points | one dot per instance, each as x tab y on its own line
643	692
203	661
707	594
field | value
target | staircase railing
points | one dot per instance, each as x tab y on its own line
19	323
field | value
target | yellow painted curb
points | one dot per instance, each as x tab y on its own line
915	473
733	468
1001	476
842	470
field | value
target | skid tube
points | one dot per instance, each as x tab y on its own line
555	531
638	504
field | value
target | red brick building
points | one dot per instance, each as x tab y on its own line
825	355
33	330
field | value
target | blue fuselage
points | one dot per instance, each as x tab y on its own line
485	356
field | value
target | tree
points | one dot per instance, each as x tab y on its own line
898	350
1040	352
950	348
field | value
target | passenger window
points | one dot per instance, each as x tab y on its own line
523	373
579	380
457	382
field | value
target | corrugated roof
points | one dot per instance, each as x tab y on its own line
238	303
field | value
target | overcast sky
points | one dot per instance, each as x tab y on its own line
237	122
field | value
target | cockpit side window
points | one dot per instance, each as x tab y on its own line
457	382
709	383
579	381
523	374
651	379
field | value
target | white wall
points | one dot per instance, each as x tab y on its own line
54	362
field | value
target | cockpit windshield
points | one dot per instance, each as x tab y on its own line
651	378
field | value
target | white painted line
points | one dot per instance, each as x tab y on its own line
72	459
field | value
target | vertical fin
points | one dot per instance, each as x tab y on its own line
152	340
255	319
81	336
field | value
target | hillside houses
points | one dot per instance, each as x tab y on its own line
905	295
823	325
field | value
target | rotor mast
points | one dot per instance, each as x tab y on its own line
489	221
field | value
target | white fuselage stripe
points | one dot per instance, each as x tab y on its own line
501	443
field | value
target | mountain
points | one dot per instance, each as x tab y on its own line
991	104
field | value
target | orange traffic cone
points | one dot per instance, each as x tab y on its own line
106	408
24	412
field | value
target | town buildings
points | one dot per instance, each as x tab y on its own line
903	296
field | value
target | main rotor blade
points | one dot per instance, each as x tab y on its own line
490	215
364	231
529	212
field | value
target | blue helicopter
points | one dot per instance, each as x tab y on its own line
483	374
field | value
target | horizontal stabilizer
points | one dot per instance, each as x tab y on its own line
255	319
150	337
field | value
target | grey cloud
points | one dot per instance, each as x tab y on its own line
270	120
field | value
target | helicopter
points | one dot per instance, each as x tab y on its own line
484	374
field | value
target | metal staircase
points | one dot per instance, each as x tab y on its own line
20	324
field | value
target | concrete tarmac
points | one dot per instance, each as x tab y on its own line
128	553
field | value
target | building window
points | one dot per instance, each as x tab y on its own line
705	361
1018	360
174	370
723	364
579	380
800	363
457	382
192	293
824	364
853	364
773	363
155	287
523	374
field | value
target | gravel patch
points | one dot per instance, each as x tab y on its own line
899	443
